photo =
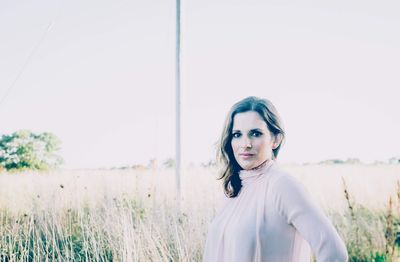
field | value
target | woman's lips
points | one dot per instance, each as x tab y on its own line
246	155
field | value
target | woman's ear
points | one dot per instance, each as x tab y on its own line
277	141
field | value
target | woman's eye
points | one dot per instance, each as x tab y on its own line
256	134
236	135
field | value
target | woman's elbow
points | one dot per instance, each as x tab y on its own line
343	256
335	251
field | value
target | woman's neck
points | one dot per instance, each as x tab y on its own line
261	165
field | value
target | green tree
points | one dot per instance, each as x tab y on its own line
169	163
26	150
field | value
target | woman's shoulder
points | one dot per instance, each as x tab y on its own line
289	195
283	182
281	176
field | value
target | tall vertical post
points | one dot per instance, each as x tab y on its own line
178	104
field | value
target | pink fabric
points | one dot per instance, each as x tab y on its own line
272	219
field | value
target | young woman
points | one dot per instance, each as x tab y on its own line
268	215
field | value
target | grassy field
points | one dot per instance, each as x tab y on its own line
131	215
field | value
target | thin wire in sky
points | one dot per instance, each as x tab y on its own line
31	54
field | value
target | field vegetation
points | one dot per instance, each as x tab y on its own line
132	215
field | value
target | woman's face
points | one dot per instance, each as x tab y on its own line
252	142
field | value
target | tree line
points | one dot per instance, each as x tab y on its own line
24	149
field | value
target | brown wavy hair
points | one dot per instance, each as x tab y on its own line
230	168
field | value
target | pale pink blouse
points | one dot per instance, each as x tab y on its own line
272	219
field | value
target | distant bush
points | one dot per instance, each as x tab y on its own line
26	150
332	161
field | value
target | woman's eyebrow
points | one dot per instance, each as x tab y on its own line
251	130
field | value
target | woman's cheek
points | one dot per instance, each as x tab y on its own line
234	147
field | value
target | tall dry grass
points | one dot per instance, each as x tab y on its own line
95	215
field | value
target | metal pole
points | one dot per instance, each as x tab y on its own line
178	103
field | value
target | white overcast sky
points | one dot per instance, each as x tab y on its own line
100	75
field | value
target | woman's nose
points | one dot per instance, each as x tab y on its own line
246	142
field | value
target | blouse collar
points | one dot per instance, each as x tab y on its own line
257	171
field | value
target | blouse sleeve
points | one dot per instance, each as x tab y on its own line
298	208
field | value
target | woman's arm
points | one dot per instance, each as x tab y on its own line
295	204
